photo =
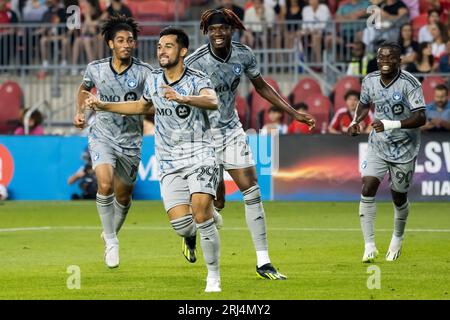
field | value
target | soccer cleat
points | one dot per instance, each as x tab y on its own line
218	220
395	249
370	254
112	255
188	248
213	285
267	271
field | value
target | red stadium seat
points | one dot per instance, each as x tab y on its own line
303	88
319	107
243	111
342	86
273	83
417	23
11	98
428	86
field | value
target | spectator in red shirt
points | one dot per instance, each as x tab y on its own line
344	116
296	127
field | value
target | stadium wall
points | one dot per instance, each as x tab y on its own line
306	168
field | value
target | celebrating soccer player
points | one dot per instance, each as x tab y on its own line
393	143
114	140
184	149
226	61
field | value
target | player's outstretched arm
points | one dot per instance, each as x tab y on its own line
266	91
362	110
207	98
141	106
416	120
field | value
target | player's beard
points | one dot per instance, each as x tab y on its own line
171	64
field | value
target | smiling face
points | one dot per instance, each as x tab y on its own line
169	51
388	61
122	45
220	35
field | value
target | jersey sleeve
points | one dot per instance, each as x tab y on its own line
364	97
202	83
147	94
251	68
416	99
88	78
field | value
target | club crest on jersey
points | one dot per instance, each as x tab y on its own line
364	164
397	96
131	83
237	69
183	111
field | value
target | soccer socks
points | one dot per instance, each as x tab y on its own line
120	214
105	207
367	213
210	243
255	217
400	216
185	226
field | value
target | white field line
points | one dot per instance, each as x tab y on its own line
61	228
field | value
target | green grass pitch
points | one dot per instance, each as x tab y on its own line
317	245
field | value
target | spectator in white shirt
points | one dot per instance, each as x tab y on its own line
424	31
258	20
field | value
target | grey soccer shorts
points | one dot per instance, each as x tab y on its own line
177	187
400	174
235	154
125	166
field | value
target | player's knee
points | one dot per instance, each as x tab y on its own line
105	188
123	199
399	199
368	190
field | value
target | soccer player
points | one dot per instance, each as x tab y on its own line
184	150
393	143
114	140
225	61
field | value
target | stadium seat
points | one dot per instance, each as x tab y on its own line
342	86
428	86
319	107
11	98
243	111
273	83
302	89
417	23
148	10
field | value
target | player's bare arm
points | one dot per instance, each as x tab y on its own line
362	110
267	92
207	99
416	120
141	106
79	120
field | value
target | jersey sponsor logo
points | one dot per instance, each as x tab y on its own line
183	111
109	98
130	96
237	69
397	96
132	83
163	112
397	109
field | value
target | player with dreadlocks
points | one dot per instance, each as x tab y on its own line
225	61
114	140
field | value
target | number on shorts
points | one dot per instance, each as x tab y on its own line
402	177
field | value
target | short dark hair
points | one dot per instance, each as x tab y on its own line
441	87
300	105
275	109
350	93
182	37
394	46
433	11
119	23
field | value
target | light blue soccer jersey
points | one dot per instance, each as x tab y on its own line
396	101
182	132
225	76
124	133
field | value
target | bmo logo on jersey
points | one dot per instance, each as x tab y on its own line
397	109
183	111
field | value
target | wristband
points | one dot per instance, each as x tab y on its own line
389	124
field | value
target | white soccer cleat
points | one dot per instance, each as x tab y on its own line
112	255
395	249
370	254
218	220
213	285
